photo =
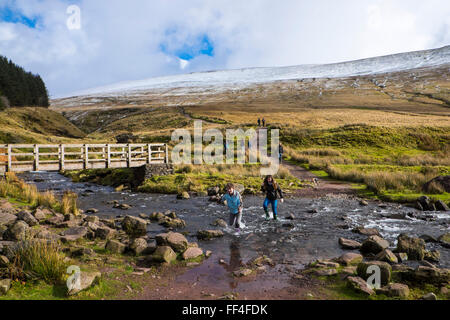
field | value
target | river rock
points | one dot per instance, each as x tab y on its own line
433	255
350	258
242	272
414	247
27	217
427	238
92	219
184	195
172	223
220	223
92	210
401	256
138	246
348	271
41	213
164	254
349	244
87	280
426	203
104	233
363	202
115	246
441	206
134	226
323	264
47	235
424	274
212	191
56	219
325	272
367	231
5	285
387	256
444	240
429	296
4	261
157	216
209	234
395	290
358	284
374	244
19	230
6	218
385	269
5	205
73	234
175	240
192	253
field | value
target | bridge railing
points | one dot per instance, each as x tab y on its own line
56	157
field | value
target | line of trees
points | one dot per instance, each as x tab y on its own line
19	88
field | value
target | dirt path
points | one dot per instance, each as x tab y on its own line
323	186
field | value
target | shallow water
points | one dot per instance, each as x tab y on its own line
311	235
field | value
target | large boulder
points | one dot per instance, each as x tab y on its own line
6	218
385	270
426	204
19	230
5	285
87	280
164	254
441	206
134	226
209	234
395	290
367	231
423	274
115	246
350	258
443	181
387	256
444	240
104	233
413	247
74	234
349	244
138	246
192	253
374	244
175	240
212	191
359	285
169	222
41	213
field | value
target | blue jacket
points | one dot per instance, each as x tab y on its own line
234	201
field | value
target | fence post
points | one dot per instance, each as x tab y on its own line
61	157
149	160
86	156
9	169
129	156
108	156
36	157
167	154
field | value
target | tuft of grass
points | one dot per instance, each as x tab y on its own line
37	260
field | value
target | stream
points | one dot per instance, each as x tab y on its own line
292	244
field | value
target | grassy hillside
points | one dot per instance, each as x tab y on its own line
36	125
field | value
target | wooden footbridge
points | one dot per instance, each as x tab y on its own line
59	157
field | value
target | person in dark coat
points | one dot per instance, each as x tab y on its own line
272	190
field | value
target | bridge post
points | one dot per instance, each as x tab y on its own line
86	156
36	157
61	157
129	156
149	158
9	169
167	153
108	156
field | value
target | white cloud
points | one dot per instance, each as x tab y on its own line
121	40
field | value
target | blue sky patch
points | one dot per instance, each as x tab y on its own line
188	50
13	16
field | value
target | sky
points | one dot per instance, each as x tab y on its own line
111	41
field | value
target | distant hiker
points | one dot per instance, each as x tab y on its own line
271	189
235	205
264	122
280	152
259	122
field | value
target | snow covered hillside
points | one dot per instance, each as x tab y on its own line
242	77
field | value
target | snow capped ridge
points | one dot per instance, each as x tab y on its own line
382	64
